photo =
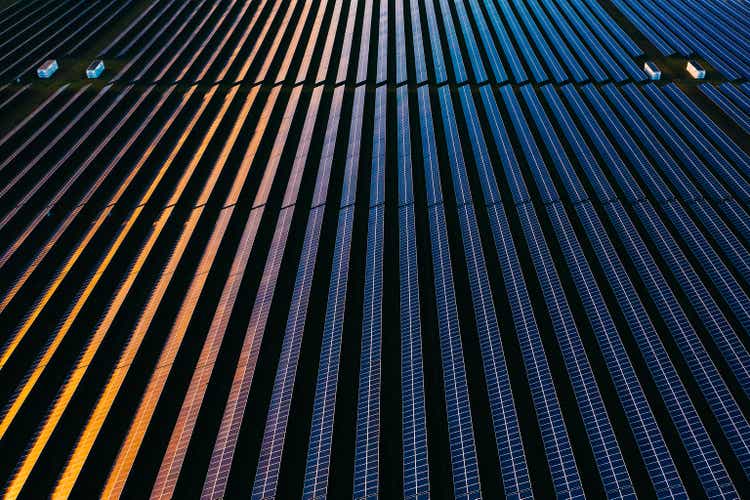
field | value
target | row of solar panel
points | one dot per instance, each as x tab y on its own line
33	31
574	40
715	30
684	235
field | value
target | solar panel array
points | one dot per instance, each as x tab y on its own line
423	248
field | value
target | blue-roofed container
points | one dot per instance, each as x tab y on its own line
47	69
653	72
696	70
95	69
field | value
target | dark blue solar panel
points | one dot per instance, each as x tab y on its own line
460	427
554	147
377	174
705	124
519	36
429	149
673	315
401	45
534	159
540	43
321	425
633	49
438	61
505	149
461	185
479	149
417	40
637	160
451	38
405	178
366	458
565	477
662	158
650	441
475	57
606	149
505	421
509	48
726	106
718	163
739	99
577	142
414	430
561	47
489	44
634	16
717	272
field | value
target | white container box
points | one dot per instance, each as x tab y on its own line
696	70
95	69
47	69
652	70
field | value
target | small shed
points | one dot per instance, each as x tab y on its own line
653	72
95	69
696	70
47	69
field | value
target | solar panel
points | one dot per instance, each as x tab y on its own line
479	149
562	49
555	149
400	24
414	430
722	141
438	61
364	43
577	142
377	173
650	441
667	165
661	468
420	66
346	47
367	446
269	461
349	190
533	156
459	71
708	152
565	476
316	36
226	442
480	74
739	117
505	149
321	425
637	160
461	434
496	64
382	64
553	64
505	421
509	49
325	57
